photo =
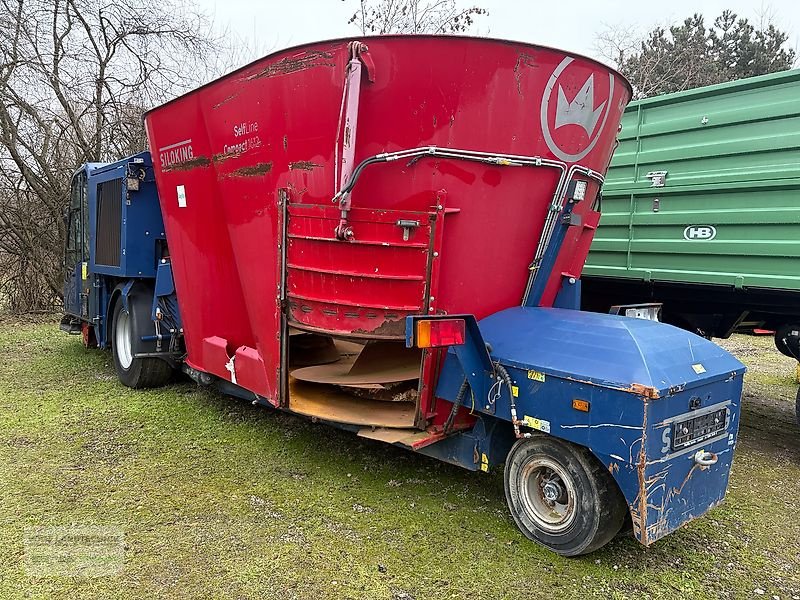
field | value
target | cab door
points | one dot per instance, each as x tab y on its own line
76	255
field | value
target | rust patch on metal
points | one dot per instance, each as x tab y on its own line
192	163
296	194
225	100
387	328
285	142
252	170
640	468
222	157
645	391
293	64
303	165
525	60
677	491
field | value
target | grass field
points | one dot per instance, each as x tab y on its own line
197	495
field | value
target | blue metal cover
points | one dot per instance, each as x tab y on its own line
607	350
141	226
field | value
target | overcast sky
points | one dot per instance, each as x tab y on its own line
570	25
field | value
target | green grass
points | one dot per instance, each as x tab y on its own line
217	498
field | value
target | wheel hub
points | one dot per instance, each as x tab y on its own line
548	494
122	339
552	491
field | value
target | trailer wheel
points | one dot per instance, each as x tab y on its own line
561	496
787	341
797	407
134	372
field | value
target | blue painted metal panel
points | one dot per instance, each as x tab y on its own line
569	296
165	285
72	291
642	379
607	350
142	224
671	487
141	232
485	445
165	299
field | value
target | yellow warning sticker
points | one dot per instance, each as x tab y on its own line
699	368
535	423
84	271
515	391
484	462
536	376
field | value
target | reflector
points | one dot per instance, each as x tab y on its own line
581	405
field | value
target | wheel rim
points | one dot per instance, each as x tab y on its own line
547	494
122	339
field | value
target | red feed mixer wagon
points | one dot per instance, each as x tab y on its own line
387	235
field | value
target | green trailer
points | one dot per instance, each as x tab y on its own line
701	210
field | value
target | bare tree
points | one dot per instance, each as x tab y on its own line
415	16
75	78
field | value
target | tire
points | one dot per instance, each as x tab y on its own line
786	343
797	408
561	497
134	372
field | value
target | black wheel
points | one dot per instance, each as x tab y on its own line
787	340
561	496
134	372
797	407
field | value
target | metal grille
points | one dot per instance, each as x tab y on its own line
109	223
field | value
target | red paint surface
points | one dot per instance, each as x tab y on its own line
273	125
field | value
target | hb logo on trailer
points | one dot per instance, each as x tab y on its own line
699	232
575	108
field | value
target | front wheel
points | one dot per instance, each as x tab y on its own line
135	372
561	496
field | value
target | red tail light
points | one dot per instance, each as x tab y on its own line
440	332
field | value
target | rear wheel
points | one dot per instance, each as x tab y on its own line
561	496
135	372
787	340
797	407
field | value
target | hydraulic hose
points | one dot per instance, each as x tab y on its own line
462	391
501	371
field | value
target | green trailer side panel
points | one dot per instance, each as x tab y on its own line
732	157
